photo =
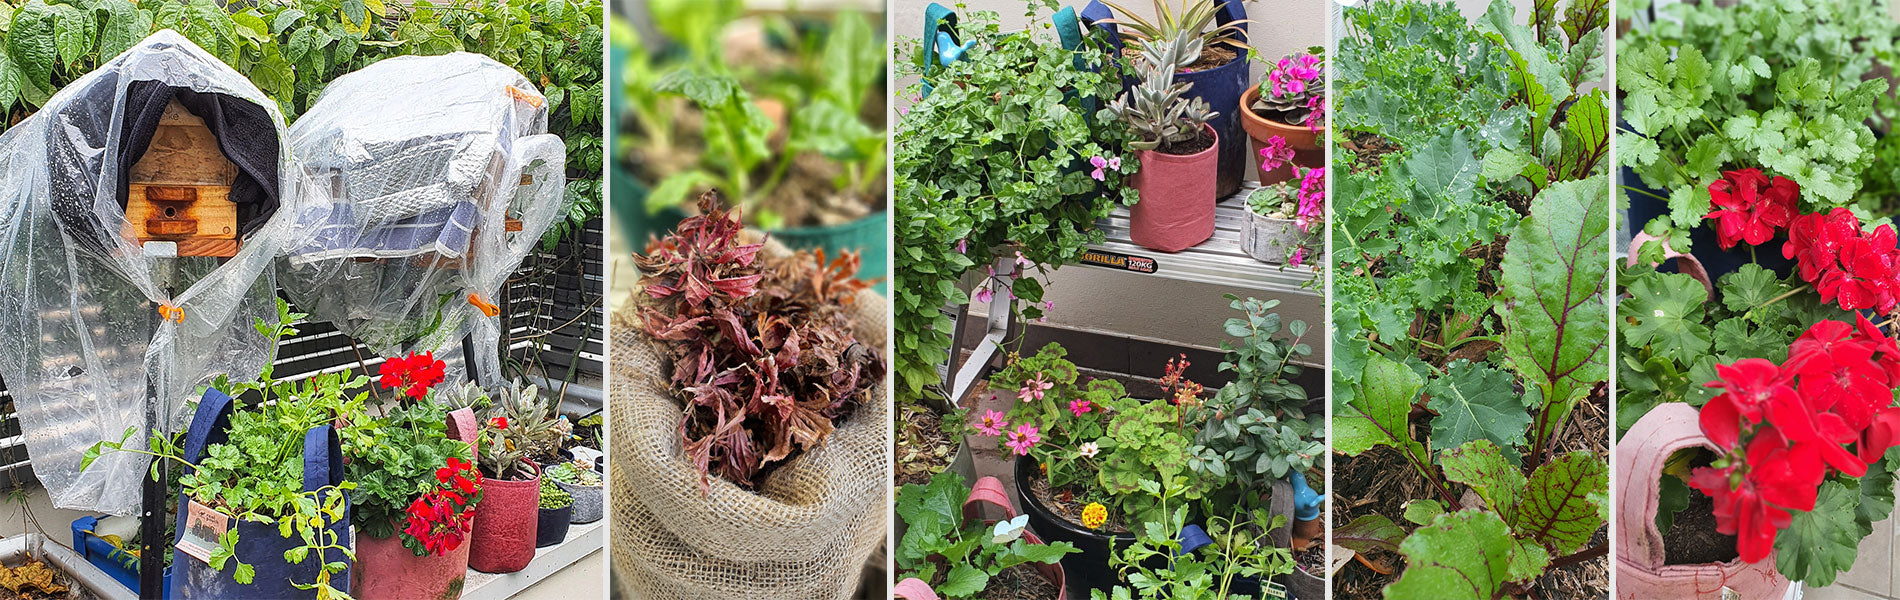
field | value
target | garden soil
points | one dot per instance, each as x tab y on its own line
1020	582
803	535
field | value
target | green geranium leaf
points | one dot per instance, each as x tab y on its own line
1664	313
1819	544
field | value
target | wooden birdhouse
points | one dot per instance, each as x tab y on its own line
180	190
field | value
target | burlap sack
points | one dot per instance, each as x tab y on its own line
803	535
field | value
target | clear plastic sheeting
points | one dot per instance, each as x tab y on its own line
80	299
441	177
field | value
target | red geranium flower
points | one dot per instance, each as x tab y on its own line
415	373
436	523
1859	269
499	422
1751	208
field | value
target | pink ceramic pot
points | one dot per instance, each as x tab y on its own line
506	523
1176	210
1640	572
386	569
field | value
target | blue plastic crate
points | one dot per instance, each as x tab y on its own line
121	565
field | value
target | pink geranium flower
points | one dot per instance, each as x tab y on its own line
1275	154
1023	438
993	423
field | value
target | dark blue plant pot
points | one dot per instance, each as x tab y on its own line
551	526
1221	87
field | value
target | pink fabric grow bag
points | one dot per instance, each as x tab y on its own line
385	569
986	491
1176	210
505	524
1640	572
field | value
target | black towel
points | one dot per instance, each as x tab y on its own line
246	136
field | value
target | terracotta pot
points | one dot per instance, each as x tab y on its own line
1640	572
506	524
1176	210
385	569
1302	139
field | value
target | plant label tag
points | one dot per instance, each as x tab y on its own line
204	526
1117	260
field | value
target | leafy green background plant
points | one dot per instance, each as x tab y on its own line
1471	241
829	84
291	49
393	461
992	162
1777	85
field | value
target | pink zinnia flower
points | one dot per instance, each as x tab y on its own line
1080	407
993	423
1023	438
1033	389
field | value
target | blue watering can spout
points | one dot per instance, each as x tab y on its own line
948	51
1306	502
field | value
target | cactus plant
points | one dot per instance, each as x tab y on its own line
1158	111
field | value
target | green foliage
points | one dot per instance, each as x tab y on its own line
1464	554
291	49
700	122
987	166
256	474
1256	428
1242	549
1778	85
955	557
394	462
1672	336
1147	445
1471	223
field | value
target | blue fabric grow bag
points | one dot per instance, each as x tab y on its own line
259	545
1221	87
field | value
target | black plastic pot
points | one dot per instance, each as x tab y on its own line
1088	569
1302	585
551	527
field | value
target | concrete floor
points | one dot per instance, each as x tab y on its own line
584	579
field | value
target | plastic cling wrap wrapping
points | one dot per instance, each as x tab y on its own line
442	178
81	298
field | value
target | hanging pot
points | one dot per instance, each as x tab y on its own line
506	524
386	569
1302	139
1176	210
1640	572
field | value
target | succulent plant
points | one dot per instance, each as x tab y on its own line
519	424
1293	88
1158	110
552	496
465	395
1195	18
